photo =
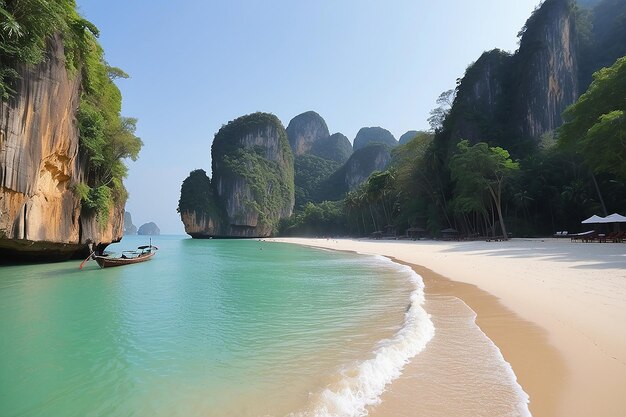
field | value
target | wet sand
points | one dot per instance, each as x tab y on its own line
539	367
555	309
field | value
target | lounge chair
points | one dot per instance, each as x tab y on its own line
584	236
619	237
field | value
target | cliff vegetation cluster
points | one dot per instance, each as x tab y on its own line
252	187
526	144
262	172
515	149
63	139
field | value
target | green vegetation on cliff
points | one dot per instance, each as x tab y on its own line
335	147
595	126
367	136
196	195
504	104
26	26
310	172
106	138
243	150
225	140
361	164
266	179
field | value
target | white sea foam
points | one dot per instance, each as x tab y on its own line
362	384
508	378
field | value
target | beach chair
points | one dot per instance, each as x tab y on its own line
619	237
583	236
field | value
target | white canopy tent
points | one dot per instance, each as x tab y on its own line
614	218
593	219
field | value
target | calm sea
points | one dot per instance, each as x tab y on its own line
221	328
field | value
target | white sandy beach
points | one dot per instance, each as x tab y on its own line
574	293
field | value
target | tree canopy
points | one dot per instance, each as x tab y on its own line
196	195
481	168
27	25
106	139
595	126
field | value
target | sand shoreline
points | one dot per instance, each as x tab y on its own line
555	309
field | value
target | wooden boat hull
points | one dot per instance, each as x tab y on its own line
106	262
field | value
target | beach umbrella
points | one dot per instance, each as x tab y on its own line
593	219
614	218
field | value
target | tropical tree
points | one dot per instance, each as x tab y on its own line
380	189
25	28
439	114
481	168
323	219
419	186
595	126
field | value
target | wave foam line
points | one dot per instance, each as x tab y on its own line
363	384
521	408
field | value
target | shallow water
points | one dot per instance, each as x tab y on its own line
461	372
207	328
242	328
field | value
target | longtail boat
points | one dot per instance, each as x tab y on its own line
141	254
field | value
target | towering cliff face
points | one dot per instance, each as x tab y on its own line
373	135
317	155
336	148
199	209
512	100
588	3
407	137
253	181
129	227
480	111
40	214
149	229
547	64
606	42
362	163
304	130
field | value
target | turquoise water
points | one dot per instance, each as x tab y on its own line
206	328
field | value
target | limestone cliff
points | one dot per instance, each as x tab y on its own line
199	209
253	181
149	229
373	135
480	111
606	42
335	147
362	163
308	135
547	68
129	227
304	130
40	214
407	137
513	100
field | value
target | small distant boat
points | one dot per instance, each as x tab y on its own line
141	254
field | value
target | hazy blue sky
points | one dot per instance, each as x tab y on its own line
195	65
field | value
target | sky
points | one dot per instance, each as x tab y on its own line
194	65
